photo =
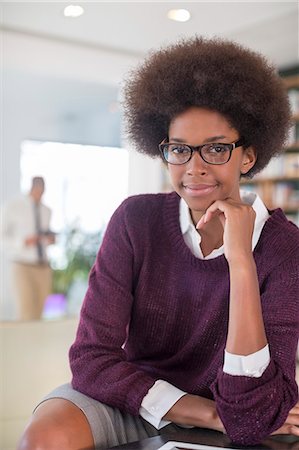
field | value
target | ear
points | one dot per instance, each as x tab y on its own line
248	159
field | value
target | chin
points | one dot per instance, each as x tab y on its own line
199	205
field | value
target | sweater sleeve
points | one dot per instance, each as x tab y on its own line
98	361
252	408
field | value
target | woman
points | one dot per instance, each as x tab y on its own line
191	317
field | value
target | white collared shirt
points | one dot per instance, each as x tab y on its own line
17	224
163	395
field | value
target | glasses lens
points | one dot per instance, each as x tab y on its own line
216	153
176	153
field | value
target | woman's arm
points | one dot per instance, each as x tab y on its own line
246	332
266	401
98	361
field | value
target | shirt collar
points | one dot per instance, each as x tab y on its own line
185	217
261	212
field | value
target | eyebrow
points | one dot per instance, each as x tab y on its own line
211	139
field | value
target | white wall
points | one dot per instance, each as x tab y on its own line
145	174
39	56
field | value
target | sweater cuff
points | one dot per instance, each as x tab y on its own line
229	386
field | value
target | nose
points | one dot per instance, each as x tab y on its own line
196	165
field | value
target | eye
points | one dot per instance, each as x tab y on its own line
217	148
178	149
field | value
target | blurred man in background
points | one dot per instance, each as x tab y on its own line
26	235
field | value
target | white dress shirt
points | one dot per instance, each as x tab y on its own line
17	224
163	395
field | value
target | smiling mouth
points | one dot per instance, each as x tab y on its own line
199	189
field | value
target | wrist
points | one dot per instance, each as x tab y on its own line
216	421
196	411
242	261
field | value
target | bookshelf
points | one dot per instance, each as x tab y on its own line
278	183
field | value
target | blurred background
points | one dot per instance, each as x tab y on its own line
61	77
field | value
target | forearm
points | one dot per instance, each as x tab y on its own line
246	332
238	396
196	411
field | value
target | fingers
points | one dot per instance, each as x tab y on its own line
216	209
295	409
293	430
293	419
291	425
225	209
287	429
208	216
293	416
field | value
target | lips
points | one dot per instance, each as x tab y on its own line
199	189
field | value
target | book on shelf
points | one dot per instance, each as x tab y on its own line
294	101
291	165
285	165
285	195
292	136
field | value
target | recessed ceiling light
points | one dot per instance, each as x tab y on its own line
179	15
73	11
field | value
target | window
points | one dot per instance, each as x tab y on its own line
84	184
83	187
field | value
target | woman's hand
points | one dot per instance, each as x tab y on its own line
237	220
291	425
31	240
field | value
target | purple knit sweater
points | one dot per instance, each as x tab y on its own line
154	311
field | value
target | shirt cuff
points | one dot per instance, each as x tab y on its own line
158	401
252	365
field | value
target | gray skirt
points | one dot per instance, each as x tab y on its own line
109	426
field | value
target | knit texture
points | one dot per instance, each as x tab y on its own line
155	311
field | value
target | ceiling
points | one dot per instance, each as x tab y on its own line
135	27
85	112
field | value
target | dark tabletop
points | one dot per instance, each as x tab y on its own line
209	437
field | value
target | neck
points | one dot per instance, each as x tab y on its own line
34	198
211	236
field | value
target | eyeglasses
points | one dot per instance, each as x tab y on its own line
213	153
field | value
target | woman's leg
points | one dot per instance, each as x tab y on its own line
70	420
57	424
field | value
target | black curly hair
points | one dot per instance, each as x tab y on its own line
217	74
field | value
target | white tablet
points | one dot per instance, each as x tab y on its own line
173	445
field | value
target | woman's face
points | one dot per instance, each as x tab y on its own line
198	182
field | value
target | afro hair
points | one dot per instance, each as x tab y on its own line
212	73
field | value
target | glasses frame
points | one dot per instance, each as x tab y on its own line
198	148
